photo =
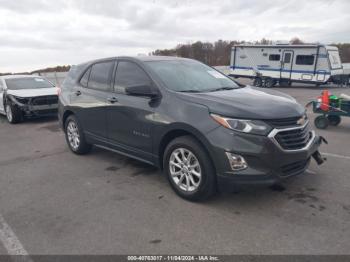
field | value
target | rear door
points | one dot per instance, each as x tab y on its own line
129	117
287	64
90	96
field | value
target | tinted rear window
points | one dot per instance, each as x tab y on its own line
27	83
100	76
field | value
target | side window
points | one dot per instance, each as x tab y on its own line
99	76
129	74
274	57
85	79
305	60
287	58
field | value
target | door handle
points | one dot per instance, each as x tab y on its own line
112	100
78	93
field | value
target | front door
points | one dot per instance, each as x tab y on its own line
89	99
129	118
287	64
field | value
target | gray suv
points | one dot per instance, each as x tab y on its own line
205	131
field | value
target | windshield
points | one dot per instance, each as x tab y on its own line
191	76
27	83
335	59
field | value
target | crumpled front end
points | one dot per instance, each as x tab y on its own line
35	106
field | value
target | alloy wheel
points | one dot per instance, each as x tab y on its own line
185	170
73	135
9	113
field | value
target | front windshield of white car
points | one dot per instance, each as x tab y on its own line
27	83
191	76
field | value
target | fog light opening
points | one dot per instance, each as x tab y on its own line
237	162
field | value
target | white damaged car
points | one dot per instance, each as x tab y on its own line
27	96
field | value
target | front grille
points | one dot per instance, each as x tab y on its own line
45	100
295	168
294	139
286	122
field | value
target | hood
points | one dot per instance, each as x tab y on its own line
248	103
33	92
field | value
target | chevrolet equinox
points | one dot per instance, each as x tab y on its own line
205	131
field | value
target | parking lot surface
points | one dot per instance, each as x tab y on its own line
56	202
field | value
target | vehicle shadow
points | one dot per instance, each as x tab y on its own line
36	120
240	198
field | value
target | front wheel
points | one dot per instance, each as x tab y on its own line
13	114
75	136
189	169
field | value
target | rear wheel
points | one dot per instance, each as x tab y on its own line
321	122
189	169
334	120
269	82
258	82
13	114
75	136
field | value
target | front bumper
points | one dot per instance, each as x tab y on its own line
268	163
42	110
47	106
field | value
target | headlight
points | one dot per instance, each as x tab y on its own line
22	100
256	127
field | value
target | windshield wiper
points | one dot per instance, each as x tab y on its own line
190	91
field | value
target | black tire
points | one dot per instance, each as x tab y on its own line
13	113
207	184
334	120
82	147
269	82
321	122
258	82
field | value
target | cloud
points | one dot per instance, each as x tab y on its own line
43	33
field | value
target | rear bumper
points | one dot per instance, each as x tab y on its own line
267	162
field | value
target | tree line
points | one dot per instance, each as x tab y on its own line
213	54
219	52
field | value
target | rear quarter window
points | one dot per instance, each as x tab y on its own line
85	79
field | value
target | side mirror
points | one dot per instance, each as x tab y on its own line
141	90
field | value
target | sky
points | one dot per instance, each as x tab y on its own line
35	34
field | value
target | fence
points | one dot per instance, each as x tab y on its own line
55	77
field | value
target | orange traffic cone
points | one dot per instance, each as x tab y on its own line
325	100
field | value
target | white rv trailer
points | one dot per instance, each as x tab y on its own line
284	64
